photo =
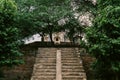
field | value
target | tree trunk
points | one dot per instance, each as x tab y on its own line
42	35
50	34
50	29
42	38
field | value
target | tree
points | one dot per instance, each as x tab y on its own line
48	13
73	27
104	40
9	40
25	17
41	16
85	5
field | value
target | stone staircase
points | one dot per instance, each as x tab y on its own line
72	68
45	64
58	64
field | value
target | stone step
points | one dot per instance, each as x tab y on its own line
44	70
72	74
68	51
44	67
72	67
72	77
72	58
46	48
44	74
73	70
69	61
69	56
43	77
46	56
48	51
46	64
46	59
71	64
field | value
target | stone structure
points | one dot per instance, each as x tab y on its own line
58	64
57	37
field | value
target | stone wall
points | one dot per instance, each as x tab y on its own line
87	63
21	72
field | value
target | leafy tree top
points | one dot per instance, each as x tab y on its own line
7	6
9	37
103	3
104	40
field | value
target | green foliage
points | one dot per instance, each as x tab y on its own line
25	18
104	40
73	27
105	3
41	16
47	15
86	6
9	43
